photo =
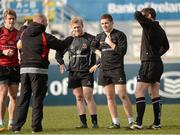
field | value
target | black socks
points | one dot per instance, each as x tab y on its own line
83	119
140	107
157	110
94	119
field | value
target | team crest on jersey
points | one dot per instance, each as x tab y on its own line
171	84
88	83
120	79
84	45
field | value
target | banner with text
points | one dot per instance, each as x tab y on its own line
59	94
26	7
121	10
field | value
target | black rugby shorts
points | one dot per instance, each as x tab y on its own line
150	71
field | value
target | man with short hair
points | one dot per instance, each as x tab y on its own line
153	45
34	71
9	66
81	58
111	46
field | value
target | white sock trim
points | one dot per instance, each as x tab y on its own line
130	120
11	122
116	121
1	122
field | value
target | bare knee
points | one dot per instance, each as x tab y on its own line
13	92
79	98
110	98
123	97
78	93
13	95
12	98
87	97
88	94
3	95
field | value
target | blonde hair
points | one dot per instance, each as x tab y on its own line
76	19
9	12
40	18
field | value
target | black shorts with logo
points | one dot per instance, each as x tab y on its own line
80	79
9	75
150	71
115	76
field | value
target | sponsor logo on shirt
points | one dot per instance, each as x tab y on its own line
84	45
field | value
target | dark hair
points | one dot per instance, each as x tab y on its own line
107	16
149	10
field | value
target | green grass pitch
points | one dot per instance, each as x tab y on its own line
63	119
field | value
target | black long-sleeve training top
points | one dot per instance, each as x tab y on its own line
81	57
111	58
154	42
33	46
